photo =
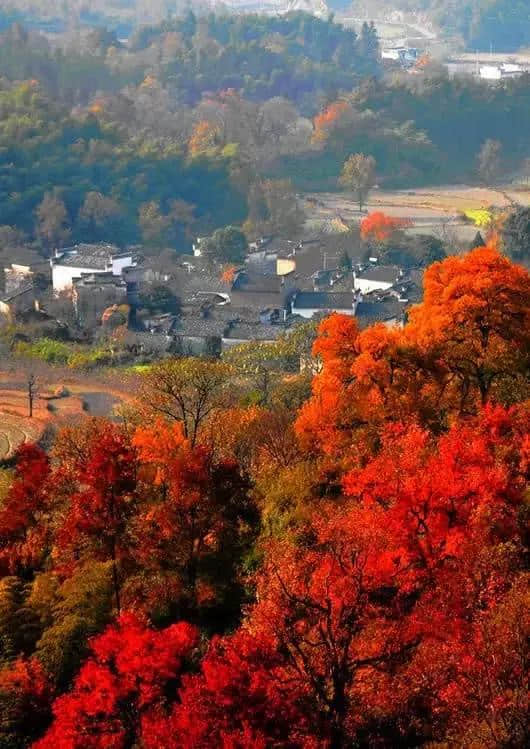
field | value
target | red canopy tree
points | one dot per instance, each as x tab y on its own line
370	614
24	531
121	687
101	505
194	527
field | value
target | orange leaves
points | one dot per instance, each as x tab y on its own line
228	274
159	445
476	317
205	137
326	121
466	344
337	335
380	227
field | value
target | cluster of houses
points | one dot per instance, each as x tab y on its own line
281	284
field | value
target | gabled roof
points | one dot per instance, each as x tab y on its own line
198	327
324	300
383	273
93	256
369	312
19	292
249	283
245	331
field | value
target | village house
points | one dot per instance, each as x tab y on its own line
71	263
376	278
21	300
385	309
24	269
93	293
307	304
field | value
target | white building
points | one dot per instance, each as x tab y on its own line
402	55
500	72
87	258
376	278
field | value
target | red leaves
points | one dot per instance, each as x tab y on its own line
23	529
243	690
103	497
25	697
121	686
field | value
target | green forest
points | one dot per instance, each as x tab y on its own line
101	140
503	24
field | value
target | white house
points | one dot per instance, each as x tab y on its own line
500	72
403	55
376	278
307	304
87	258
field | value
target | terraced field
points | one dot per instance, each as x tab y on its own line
49	410
15	425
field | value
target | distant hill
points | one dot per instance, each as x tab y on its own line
482	24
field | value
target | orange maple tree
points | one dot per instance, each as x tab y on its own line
380	227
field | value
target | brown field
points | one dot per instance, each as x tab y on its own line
85	398
15	425
432	209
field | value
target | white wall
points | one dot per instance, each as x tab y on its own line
308	314
62	276
365	285
119	263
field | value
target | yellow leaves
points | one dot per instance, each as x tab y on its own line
481	217
148	82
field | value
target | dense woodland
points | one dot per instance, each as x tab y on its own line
479	24
335	568
105	141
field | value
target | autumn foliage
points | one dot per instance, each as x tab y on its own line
325	122
353	573
380	227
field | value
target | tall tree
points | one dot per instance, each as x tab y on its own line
52	221
103	501
227	245
515	234
490	161
187	391
358	175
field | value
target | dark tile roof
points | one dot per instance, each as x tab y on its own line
24	257
384	273
89	280
281	246
18	293
249	283
256	301
198	327
324	300
96	256
244	331
369	312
